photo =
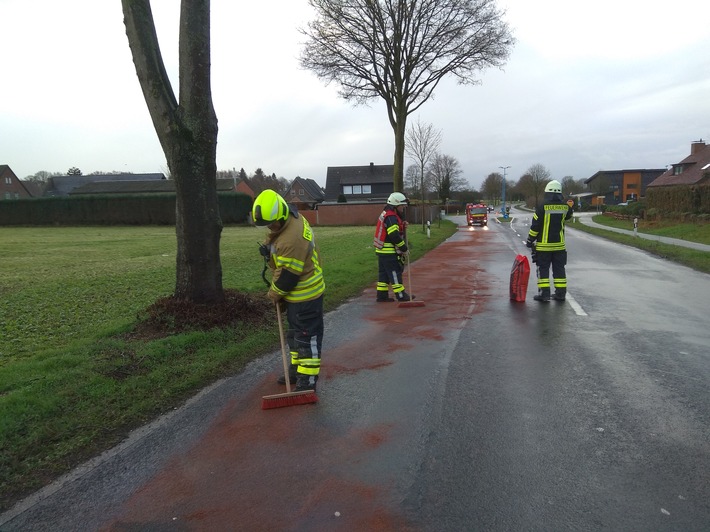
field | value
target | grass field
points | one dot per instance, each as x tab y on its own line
684	231
73	381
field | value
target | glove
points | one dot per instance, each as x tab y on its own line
264	251
274	297
529	243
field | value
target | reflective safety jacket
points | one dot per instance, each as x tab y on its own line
548	226
389	232
297	273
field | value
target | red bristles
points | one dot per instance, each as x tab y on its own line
280	400
409	304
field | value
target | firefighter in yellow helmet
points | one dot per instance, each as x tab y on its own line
548	230
296	283
391	249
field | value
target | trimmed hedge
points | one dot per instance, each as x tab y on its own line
674	201
129	209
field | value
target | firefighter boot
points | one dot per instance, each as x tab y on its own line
292	376
560	294
404	296
543	296
306	382
384	297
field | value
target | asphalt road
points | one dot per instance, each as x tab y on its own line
470	413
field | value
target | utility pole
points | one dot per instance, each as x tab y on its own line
505	212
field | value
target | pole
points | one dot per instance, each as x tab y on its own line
505	212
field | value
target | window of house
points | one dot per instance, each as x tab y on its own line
293	192
678	169
300	192
631	185
357	189
8	181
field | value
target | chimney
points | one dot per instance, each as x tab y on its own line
372	168
697	146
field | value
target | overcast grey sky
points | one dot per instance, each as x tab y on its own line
590	86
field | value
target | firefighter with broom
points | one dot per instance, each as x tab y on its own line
391	250
548	230
297	284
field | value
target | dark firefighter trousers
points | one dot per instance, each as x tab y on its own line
390	273
305	337
558	261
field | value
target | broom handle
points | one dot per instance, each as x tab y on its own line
283	349
409	266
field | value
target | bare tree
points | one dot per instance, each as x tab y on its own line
570	185
493	187
412	181
187	130
539	177
41	177
445	173
421	143
400	50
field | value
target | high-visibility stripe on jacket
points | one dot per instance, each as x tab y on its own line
297	273
548	226
389	232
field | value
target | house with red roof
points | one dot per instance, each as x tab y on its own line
693	170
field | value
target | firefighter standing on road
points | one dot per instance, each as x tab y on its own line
296	282
548	229
391	250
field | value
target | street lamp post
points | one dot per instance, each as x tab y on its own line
505	213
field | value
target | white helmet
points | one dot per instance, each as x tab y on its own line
554	186
397	198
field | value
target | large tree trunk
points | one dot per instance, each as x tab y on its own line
397	114
188	134
399	140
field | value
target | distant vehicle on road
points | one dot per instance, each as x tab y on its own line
476	214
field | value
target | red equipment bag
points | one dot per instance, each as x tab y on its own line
519	276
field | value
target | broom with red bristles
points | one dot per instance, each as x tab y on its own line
411	303
289	398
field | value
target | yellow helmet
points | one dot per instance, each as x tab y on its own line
269	207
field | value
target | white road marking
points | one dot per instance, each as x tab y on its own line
578	310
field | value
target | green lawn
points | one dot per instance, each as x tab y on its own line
684	231
73	382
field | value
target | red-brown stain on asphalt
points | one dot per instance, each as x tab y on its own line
289	468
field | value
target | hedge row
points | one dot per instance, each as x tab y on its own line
148	209
693	199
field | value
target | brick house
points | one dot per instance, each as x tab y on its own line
617	186
305	194
693	170
10	185
244	187
371	183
